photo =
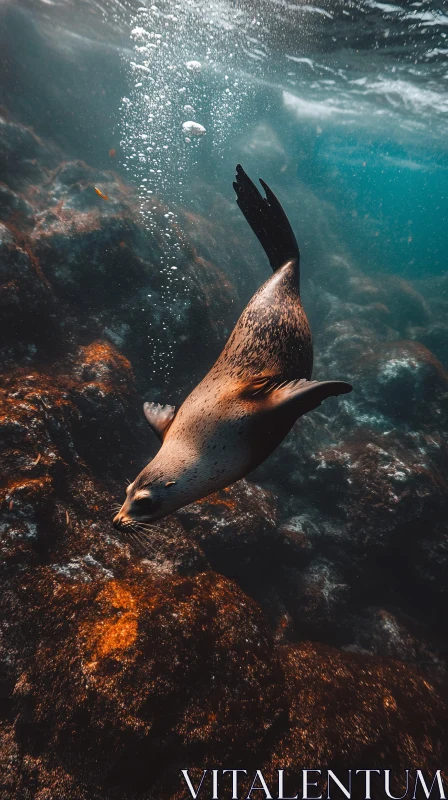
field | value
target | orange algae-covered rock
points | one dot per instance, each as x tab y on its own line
50	483
101	362
347	711
129	671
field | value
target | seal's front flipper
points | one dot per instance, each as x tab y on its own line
307	395
303	395
159	418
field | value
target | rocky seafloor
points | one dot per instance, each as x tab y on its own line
296	619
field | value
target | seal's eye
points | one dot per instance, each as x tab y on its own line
143	501
142	494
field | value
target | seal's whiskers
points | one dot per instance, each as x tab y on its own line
138	544
154	528
144	543
144	536
135	538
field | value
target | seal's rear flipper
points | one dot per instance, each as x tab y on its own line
159	418
304	395
267	220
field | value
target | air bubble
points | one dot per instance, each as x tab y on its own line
194	66
193	128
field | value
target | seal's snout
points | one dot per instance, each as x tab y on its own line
118	520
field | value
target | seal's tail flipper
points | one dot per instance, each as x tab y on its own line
267	220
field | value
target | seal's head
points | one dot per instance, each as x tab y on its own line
147	500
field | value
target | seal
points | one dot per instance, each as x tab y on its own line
252	396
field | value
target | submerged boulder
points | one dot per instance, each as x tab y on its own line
236	528
352	710
405	383
160	668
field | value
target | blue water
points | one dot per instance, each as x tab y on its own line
361	122
354	96
392	199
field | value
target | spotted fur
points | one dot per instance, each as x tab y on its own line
230	422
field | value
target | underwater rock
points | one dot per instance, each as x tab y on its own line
24	158
156	663
378	529
235	527
139	691
83	267
12	203
316	598
358	708
26	302
434	334
431	561
297	537
102	261
384	487
50	483
395	635
100	362
36	450
406	383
